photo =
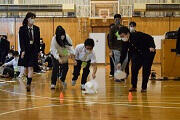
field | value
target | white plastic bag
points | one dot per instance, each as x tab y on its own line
119	74
91	87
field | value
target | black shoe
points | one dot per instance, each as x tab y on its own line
28	88
132	89
117	80
122	80
143	90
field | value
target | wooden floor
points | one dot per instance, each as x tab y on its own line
112	102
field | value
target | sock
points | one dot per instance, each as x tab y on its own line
29	80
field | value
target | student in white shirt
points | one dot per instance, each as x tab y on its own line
14	62
84	56
61	50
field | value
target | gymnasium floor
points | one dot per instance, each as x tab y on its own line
112	102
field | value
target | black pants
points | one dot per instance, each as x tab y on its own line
144	61
112	65
58	68
77	69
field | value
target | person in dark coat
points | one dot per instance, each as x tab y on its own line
29	37
142	49
4	48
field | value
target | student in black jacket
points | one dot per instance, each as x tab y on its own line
142	48
29	37
4	48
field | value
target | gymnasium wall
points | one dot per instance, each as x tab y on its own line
79	28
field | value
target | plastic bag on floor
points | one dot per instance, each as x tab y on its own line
91	87
119	74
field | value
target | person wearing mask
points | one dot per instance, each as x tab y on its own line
61	49
10	56
14	71
29	37
84	57
4	48
132	26
116	43
142	48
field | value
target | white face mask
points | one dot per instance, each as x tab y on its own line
88	51
62	37
124	39
31	21
132	29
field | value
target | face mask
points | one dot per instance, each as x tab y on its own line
117	22
124	39
62	37
31	21
88	51
132	29
9	55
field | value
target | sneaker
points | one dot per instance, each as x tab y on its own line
73	82
53	87
111	75
117	80
132	90
28	88
64	84
82	87
143	90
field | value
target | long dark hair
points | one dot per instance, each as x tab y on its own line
59	32
28	15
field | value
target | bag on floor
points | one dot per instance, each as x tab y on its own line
119	74
91	87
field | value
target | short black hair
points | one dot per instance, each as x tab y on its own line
89	42
28	15
117	16
123	30
16	53
132	23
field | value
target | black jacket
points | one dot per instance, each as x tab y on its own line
140	43
4	48
113	42
25	39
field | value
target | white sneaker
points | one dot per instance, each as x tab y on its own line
73	82
53	86
83	87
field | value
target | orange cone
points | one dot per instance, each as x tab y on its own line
130	96
61	97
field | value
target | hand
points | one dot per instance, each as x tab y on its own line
118	66
93	75
152	49
60	61
110	53
22	55
71	56
75	63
